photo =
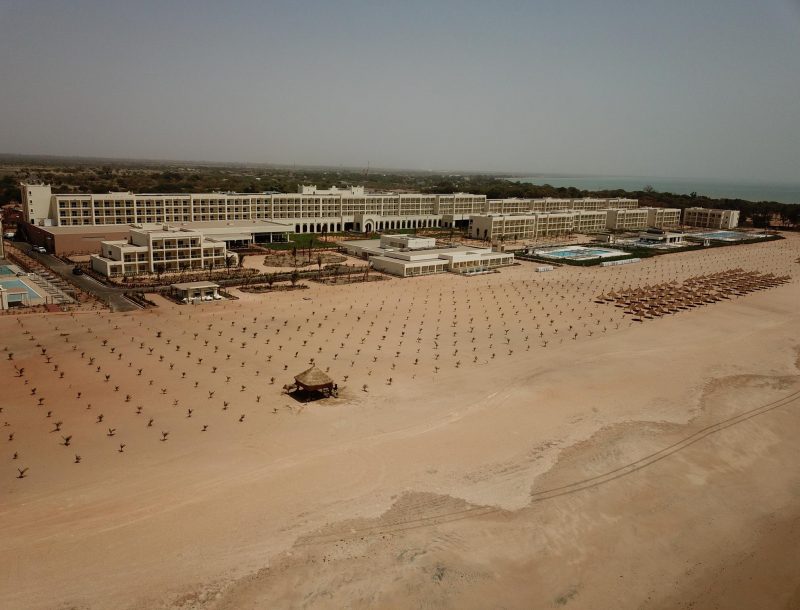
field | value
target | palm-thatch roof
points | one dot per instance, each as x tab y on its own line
313	379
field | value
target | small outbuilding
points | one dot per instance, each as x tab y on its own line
313	382
191	292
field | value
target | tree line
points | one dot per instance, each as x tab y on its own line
85	177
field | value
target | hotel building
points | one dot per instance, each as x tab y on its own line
151	251
515	227
709	218
309	211
82	221
663	218
627	219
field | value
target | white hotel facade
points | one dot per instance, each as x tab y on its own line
711	218
548	224
153	250
310	210
313	210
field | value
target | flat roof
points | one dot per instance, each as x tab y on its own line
190	285
221	224
412	263
205	226
86	230
227	236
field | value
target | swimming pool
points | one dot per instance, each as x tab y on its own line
34	298
578	253
6	270
727	235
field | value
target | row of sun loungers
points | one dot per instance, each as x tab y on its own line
671	297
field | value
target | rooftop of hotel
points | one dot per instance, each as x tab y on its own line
197	225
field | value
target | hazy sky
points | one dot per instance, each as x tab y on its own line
694	88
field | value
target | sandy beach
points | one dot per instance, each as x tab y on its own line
499	441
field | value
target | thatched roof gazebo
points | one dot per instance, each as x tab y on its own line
313	381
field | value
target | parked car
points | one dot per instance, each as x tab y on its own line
77	271
40	249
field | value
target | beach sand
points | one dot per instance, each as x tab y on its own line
517	445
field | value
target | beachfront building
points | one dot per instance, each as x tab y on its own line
621	203
410	257
627	219
554	224
512	205
710	218
550	204
458	259
517	227
588	221
496	227
310	210
661	239
594	203
663	218
159	250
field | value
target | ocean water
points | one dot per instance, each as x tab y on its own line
751	191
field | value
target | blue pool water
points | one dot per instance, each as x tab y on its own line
735	235
5	270
17	298
582	253
577	253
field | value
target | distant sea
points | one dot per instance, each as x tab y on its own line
751	191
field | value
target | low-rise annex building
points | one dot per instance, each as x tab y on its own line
661	239
67	240
408	256
160	250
